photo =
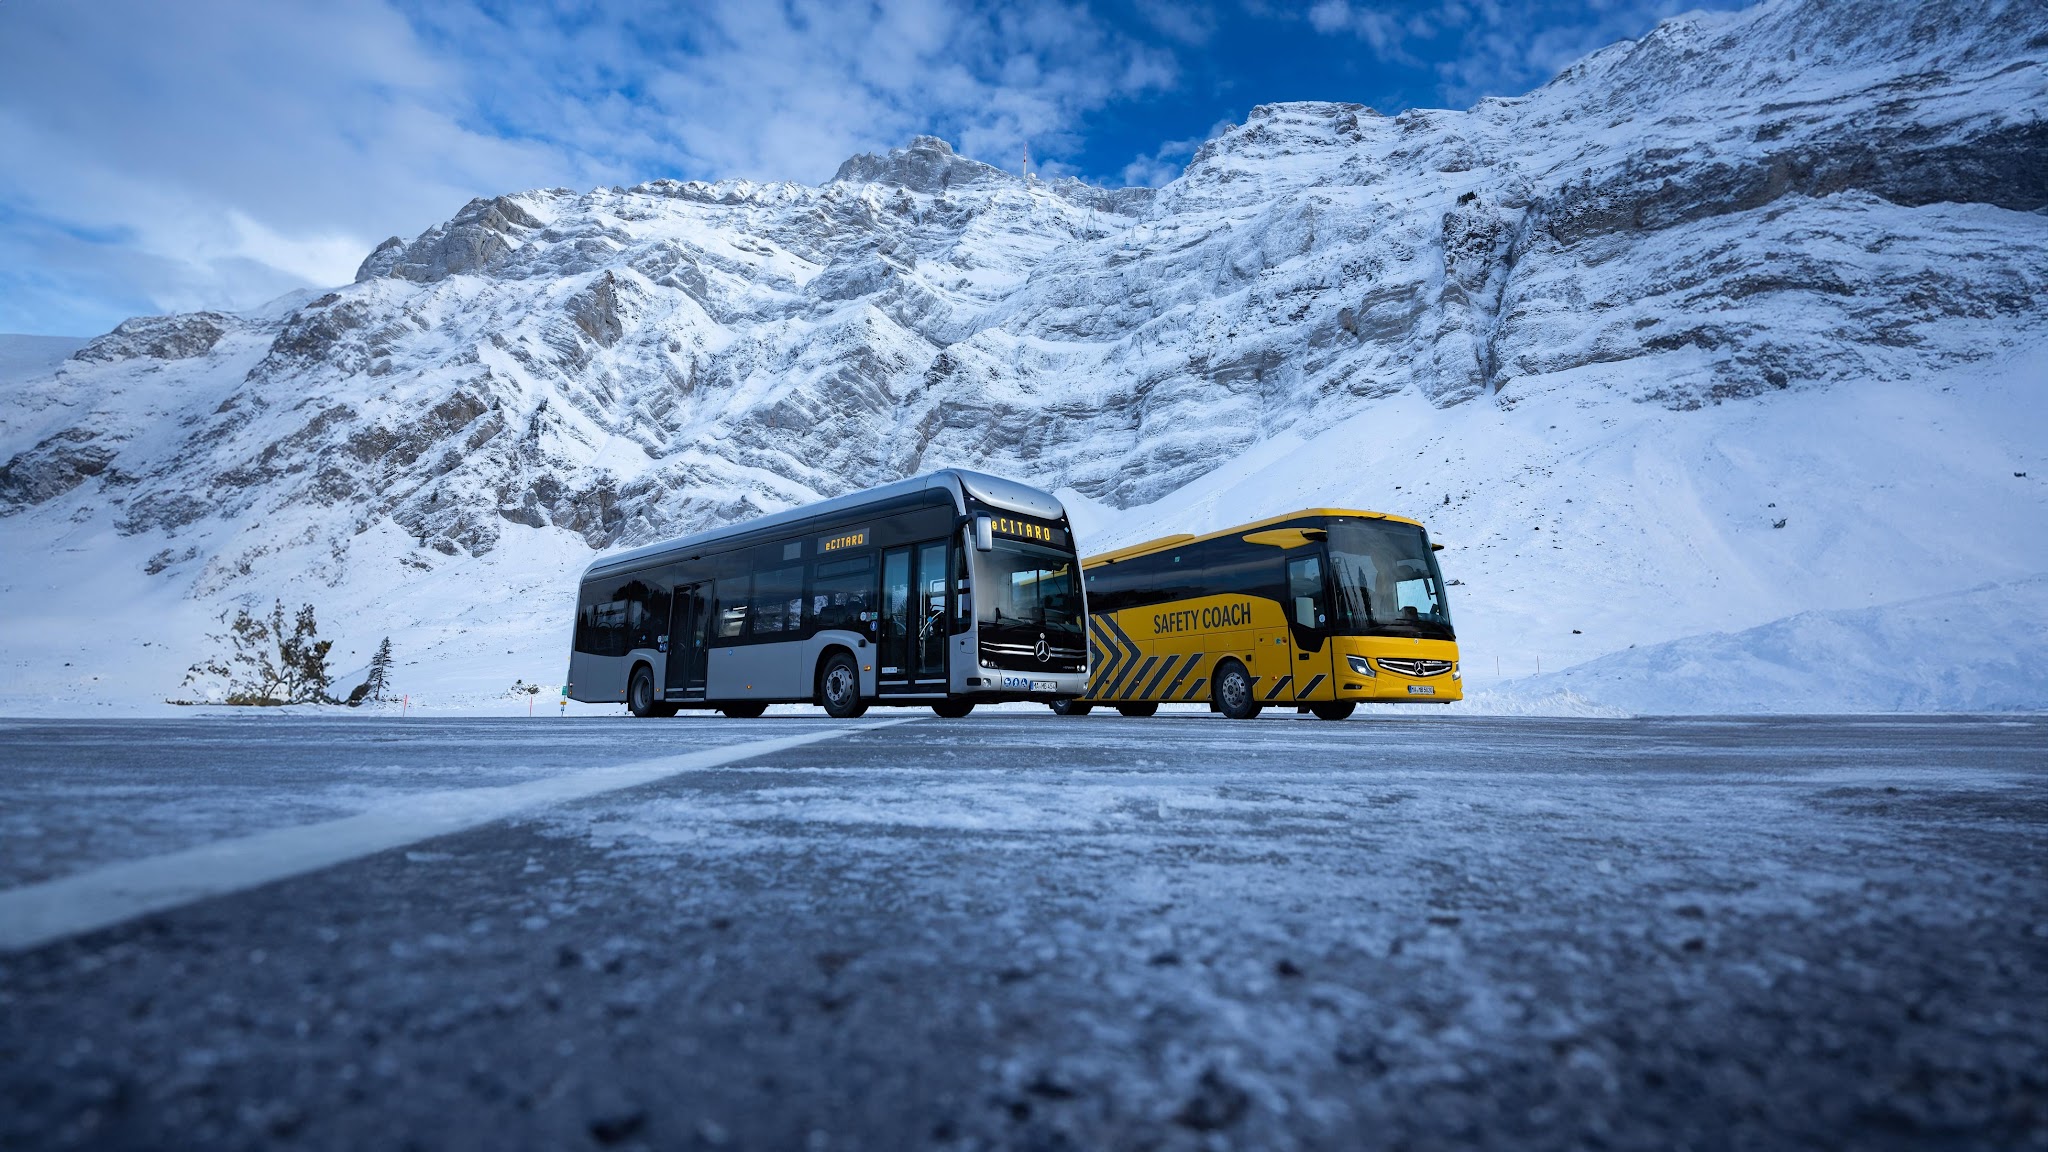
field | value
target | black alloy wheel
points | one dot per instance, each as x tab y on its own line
1139	711
640	692
1334	709
1234	692
743	711
1071	708
953	709
839	687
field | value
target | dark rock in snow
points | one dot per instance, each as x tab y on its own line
1215	1104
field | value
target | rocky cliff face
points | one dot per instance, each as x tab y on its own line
1804	195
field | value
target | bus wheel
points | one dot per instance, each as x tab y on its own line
1234	692
1071	708
640	692
1334	710
743	711
839	687
1138	711
953	709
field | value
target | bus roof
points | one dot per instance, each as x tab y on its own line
1184	538
959	482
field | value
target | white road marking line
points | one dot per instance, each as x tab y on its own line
38	914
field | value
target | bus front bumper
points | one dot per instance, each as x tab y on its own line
1399	672
998	683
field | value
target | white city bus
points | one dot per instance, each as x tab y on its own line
949	589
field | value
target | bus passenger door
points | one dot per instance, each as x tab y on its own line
914	622
931	627
1307	627
686	643
892	666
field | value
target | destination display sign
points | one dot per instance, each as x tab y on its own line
1022	529
841	541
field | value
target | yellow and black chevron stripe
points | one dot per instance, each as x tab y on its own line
1123	671
1117	656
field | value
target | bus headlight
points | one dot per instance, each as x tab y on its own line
1455	674
1361	665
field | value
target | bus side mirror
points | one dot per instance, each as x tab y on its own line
984	534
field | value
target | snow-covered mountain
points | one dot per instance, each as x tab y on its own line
1792	257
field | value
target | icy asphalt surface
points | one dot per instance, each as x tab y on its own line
1015	931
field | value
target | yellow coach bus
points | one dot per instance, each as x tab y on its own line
1315	610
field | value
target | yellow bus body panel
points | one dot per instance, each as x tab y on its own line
1168	653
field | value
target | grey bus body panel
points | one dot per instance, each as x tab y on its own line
597	679
590	674
752	671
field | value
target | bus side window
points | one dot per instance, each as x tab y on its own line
778	600
646	617
1305	591
843	593
729	617
589	633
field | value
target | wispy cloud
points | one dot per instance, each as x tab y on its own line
215	152
1181	20
1489	47
1169	160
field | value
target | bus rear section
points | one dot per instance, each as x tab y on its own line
944	590
1317	610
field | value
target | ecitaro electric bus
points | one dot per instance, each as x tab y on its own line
1314	610
947	589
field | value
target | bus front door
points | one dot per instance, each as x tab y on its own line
892	665
1308	671
928	646
686	643
912	647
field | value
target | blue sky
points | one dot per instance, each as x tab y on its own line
217	153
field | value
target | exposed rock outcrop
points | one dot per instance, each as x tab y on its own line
1790	197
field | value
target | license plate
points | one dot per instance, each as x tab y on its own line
1045	686
1422	689
1026	684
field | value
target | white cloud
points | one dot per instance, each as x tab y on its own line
213	153
1186	22
1169	160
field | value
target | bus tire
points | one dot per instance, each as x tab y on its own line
953	709
1233	691
1140	710
839	686
739	711
640	699
1071	708
1334	709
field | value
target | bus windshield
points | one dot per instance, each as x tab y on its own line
1028	585
1387	581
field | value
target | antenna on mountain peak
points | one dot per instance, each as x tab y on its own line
1027	160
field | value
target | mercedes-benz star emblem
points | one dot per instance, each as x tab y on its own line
1041	651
